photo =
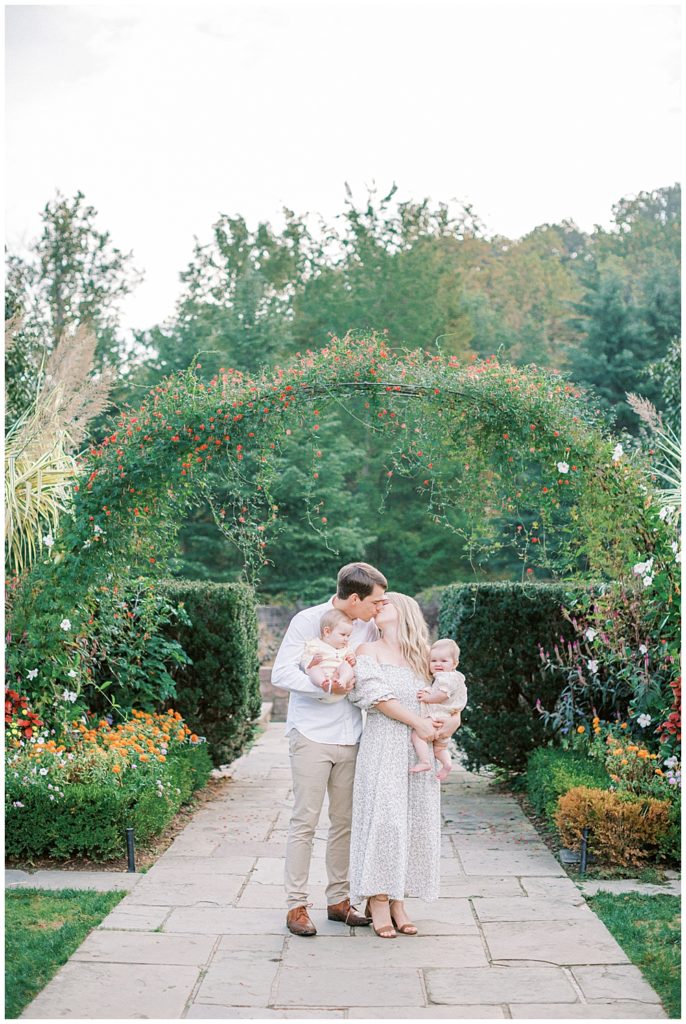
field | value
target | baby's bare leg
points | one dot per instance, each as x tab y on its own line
423	753
317	674
442	754
344	673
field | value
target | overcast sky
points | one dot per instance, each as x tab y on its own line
167	116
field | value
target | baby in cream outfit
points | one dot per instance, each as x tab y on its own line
447	695
328	658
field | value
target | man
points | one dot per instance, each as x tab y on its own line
323	739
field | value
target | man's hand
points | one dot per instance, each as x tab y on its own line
316	658
351	659
338	687
426	729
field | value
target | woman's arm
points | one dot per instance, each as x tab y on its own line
424	727
449	726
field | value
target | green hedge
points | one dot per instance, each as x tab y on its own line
551	773
498	627
90	820
218	694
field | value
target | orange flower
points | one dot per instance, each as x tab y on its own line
581	728
116	767
144	757
161	757
623	725
194	738
658	771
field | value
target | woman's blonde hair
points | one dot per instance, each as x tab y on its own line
413	635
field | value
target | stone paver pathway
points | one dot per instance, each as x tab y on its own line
202	935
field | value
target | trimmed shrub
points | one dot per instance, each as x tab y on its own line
90	818
670	844
498	627
218	694
550	773
625	829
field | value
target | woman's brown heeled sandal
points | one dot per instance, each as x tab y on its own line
405	929
386	931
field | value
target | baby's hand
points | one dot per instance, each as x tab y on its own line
351	659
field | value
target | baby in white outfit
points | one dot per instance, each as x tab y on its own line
328	658
446	696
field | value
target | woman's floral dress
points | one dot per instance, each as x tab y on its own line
395	845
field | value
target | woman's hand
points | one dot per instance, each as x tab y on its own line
445	729
423	696
425	729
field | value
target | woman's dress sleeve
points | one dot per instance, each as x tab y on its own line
370	684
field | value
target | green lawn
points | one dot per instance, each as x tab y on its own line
648	930
42	930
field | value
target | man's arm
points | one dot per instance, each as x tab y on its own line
286	673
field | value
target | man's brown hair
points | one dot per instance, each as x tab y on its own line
359	578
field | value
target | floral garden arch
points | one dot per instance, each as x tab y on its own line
527	442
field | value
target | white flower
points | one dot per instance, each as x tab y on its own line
48	540
52	796
641	568
590	633
17	803
592	665
32	673
644	720
643	649
69	695
677	557
664	512
65	624
670	762
72	673
647	581
43	771
617	453
563	467
97	529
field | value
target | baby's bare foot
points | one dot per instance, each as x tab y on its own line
444	772
423	766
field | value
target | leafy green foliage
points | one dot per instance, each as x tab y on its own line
551	772
89	819
498	627
218	692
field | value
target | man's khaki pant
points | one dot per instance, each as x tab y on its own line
319	768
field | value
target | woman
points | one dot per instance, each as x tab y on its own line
396	829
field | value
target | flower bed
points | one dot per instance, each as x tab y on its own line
78	796
628	796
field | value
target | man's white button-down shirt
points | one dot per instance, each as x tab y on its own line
322	722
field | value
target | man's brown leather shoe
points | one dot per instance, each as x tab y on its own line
298	922
347	914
